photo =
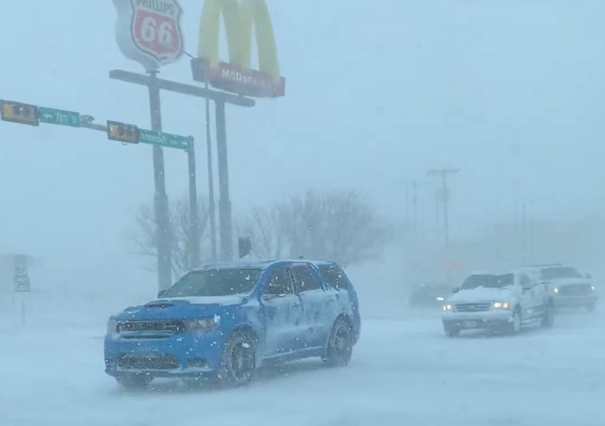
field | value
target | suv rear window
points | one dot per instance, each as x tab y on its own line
334	276
490	281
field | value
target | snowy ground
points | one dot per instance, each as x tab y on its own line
404	372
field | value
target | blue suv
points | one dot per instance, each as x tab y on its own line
223	321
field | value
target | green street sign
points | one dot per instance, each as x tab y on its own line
59	117
163	139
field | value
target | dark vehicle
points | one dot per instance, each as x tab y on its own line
430	294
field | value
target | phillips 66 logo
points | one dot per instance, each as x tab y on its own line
149	31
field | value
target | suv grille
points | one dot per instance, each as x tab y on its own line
472	307
155	326
575	290
154	362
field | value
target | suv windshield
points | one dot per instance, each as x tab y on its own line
559	273
490	281
215	282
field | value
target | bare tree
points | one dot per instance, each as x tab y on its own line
144	237
337	225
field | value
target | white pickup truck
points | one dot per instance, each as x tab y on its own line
504	302
567	286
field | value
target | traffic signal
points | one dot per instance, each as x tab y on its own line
244	245
17	112
121	132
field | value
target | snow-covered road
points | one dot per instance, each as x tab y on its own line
404	372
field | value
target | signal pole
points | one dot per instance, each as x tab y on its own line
443	174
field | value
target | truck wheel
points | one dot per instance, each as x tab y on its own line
135	381
516	325
339	348
238	364
451	332
548	319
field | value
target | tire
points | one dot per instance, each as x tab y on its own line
591	307
238	363
339	347
548	319
517	324
451	332
135	381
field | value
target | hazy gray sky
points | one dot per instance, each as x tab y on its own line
509	91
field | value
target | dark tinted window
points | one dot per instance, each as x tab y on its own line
215	282
490	281
279	283
306	278
334	276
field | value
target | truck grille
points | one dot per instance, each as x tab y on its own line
153	362
155	326
575	290
472	307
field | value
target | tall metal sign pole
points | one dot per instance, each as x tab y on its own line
235	77
150	33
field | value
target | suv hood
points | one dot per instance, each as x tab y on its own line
484	294
180	308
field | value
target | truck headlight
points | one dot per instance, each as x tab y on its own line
111	326
556	290
448	307
203	324
501	305
592	288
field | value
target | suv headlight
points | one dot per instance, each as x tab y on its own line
203	324
448	307
501	305
111	326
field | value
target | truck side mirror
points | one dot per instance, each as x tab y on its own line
455	289
588	276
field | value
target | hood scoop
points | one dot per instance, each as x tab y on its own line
160	304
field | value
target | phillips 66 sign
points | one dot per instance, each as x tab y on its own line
149	31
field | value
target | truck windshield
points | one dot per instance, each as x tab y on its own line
215	282
490	281
560	273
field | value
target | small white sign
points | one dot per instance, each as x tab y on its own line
21	279
149	31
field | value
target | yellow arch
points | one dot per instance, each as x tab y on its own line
239	19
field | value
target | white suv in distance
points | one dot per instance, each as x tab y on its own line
568	287
502	302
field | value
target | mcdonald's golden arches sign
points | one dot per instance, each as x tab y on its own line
240	18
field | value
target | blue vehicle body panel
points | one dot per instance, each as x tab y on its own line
157	338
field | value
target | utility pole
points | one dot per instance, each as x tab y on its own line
443	174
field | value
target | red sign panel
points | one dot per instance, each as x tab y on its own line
157	34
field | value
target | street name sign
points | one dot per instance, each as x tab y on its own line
59	117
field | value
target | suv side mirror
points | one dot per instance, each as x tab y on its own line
588	276
455	289
161	293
